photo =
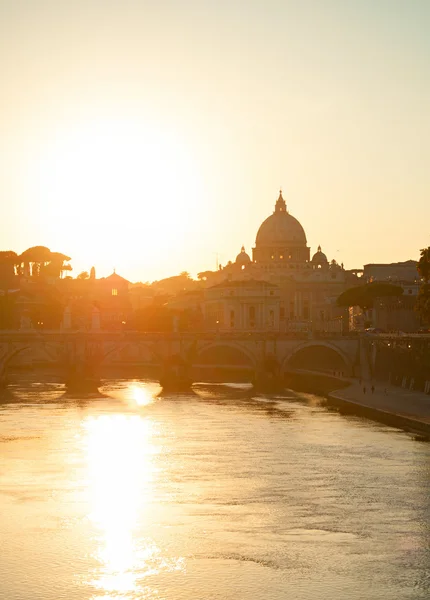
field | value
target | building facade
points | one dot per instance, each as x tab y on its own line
308	287
243	305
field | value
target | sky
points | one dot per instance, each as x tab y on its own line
153	136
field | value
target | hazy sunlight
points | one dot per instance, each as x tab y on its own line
117	182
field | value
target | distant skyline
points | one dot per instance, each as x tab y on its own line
150	136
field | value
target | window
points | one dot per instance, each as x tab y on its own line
281	256
282	313
114	292
271	292
252	316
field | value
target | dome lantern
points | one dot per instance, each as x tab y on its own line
280	205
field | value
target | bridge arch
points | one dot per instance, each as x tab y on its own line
9	356
319	356
225	353
121	347
39	350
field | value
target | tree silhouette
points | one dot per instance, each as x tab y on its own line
8	260
423	265
364	295
40	261
423	299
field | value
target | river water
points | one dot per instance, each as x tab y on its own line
216	495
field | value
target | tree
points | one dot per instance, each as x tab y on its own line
423	299
174	285
203	276
423	302
40	261
423	265
83	275
33	259
93	273
8	295
364	295
8	260
66	268
57	265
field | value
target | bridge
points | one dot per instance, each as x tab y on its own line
205	356
242	356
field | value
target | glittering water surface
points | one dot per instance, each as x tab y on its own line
212	495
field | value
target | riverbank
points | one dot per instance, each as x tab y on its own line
394	406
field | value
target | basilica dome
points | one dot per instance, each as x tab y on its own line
319	258
281	228
243	258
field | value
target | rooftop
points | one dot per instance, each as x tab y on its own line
243	283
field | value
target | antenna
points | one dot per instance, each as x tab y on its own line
217	256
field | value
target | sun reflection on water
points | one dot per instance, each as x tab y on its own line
121	469
141	395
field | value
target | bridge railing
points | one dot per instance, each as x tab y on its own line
185	335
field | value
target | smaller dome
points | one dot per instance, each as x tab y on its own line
319	258
243	258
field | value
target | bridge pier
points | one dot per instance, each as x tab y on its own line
3	381
268	376
82	368
81	378
176	374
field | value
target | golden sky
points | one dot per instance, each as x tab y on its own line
150	135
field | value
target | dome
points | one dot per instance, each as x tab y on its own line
243	258
281	228
319	258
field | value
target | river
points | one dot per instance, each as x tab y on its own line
216	495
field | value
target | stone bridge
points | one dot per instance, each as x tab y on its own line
208	356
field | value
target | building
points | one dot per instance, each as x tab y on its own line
394	313
243	305
111	296
392	272
308	287
108	297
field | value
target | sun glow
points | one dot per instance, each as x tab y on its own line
110	188
142	395
120	475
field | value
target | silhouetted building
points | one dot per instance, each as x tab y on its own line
392	272
308	288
